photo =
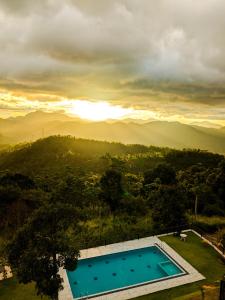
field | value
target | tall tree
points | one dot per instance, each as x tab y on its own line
71	191
217	181
19	198
164	172
41	247
193	180
111	188
23	181
168	211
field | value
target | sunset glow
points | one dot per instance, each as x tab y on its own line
101	110
98	111
156	64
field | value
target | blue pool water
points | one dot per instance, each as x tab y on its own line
101	274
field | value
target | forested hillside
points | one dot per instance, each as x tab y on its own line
85	193
62	152
66	169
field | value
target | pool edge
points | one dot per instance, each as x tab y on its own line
190	275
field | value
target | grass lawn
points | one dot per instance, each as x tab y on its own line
10	289
204	259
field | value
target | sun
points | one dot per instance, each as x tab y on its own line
98	111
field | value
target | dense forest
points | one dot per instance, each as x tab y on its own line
87	173
62	194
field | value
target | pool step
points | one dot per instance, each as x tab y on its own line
161	266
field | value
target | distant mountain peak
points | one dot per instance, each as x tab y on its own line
157	133
40	115
206	124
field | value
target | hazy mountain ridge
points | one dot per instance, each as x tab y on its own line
157	133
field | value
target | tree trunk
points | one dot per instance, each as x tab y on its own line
196	206
56	297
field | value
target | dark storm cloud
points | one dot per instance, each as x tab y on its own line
115	49
209	93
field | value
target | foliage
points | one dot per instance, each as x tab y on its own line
204	186
206	258
164	172
41	247
20	180
73	171
168	209
111	188
182	159
108	192
19	198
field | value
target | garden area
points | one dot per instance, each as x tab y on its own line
82	198
200	255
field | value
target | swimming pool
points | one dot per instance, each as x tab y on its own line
118	271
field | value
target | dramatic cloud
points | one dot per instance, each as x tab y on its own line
135	53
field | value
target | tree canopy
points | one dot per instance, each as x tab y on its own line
61	194
41	247
111	188
164	172
168	211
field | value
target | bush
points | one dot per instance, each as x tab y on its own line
208	224
213	210
204	227
205	244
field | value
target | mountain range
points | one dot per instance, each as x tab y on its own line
40	124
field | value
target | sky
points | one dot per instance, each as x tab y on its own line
141	59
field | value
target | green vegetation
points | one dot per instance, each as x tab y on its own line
111	188
162	201
119	192
208	224
41	246
200	256
10	289
214	220
204	260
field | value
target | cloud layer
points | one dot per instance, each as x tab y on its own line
139	53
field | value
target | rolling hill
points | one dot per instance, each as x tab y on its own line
157	133
54	154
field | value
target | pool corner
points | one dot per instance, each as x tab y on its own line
190	274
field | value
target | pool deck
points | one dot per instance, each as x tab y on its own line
191	276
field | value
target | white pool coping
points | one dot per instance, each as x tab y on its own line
132	292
